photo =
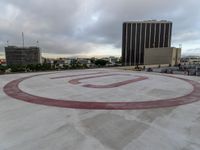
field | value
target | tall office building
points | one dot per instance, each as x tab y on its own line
22	55
138	35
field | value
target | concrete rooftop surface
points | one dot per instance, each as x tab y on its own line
99	109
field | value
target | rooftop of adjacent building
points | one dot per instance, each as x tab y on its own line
149	21
21	47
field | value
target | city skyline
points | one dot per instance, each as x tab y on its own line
92	28
56	56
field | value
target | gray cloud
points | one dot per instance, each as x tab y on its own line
80	26
195	51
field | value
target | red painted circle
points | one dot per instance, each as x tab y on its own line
12	89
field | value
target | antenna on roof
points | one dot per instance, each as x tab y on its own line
7	43
23	39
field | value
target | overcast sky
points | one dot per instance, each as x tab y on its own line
93	27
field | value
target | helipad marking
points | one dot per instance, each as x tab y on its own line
12	89
113	85
77	81
76	75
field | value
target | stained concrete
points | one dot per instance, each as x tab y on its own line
29	126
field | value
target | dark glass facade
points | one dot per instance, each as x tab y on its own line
137	36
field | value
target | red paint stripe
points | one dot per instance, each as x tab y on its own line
12	89
76	75
77	81
140	78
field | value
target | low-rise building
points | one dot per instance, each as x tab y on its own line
190	60
84	61
167	55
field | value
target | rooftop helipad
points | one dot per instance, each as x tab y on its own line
99	109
